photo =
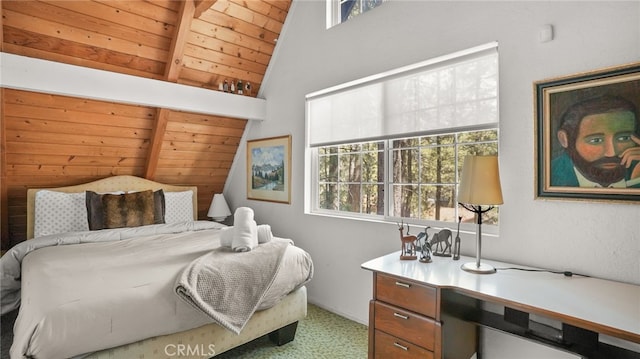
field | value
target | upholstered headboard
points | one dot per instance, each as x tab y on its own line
109	184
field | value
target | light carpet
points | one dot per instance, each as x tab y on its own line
321	334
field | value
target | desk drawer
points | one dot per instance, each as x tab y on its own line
388	346
406	325
406	294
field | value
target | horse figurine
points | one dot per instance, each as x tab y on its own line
440	240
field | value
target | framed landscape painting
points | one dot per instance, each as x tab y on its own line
588	136
269	169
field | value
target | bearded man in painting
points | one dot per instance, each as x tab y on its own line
601	145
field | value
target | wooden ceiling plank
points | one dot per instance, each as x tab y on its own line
71	33
61	160
204	139
231	36
220	68
218	19
211	120
64	12
102	171
136	113
240	12
73	150
175	126
263	8
191	171
199	41
187	156
70	118
42	131
280	4
196	163
62	139
147	9
107	13
168	4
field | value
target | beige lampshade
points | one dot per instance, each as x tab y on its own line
480	183
219	209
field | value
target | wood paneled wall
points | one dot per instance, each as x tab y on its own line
56	141
132	37
49	141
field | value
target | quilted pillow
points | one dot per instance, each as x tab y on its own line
179	206
128	210
95	209
59	212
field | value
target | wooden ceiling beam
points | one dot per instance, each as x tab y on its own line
202	6
174	63
172	73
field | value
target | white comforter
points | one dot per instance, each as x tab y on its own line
85	297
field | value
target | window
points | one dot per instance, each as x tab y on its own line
391	146
339	11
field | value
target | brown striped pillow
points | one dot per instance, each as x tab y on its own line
95	209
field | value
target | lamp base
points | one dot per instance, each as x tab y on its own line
482	268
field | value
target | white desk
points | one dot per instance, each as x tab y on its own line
589	305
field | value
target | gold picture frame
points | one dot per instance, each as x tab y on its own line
587	136
269	169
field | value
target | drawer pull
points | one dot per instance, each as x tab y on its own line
400	284
400	316
400	346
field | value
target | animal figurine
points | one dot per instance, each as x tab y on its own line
440	240
425	248
408	244
456	245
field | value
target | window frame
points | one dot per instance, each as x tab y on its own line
312	156
334	11
388	217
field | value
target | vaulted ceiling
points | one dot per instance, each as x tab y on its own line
200	43
52	140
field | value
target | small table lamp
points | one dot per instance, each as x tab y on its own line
219	209
480	186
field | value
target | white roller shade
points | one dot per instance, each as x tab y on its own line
456	91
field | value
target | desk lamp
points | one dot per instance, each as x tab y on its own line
219	209
480	186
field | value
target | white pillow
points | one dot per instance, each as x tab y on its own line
58	212
178	206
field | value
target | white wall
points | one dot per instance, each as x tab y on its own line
599	239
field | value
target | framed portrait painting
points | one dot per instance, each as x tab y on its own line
269	169
588	136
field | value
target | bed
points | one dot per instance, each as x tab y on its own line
111	293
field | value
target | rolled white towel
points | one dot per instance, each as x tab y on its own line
264	233
245	230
